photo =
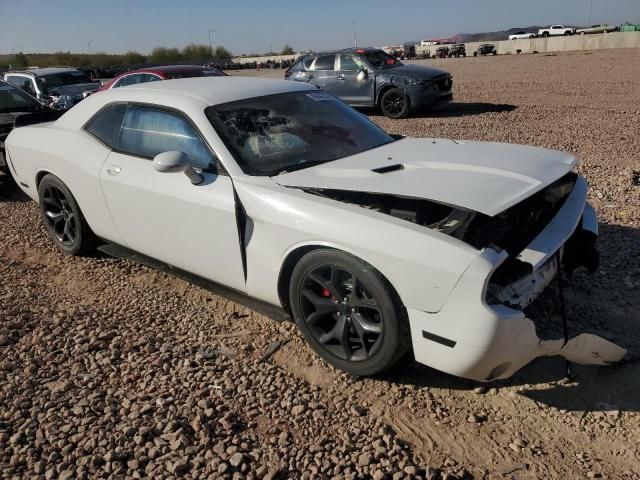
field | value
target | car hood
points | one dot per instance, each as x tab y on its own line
8	118
419	72
480	176
75	89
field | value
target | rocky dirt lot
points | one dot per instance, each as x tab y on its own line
108	368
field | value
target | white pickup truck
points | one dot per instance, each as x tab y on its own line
555	30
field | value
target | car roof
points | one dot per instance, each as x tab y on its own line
170	68
218	90
45	71
190	95
346	50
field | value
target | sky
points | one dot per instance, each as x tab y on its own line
247	26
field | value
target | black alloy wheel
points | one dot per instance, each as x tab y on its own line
63	219
341	314
395	103
348	312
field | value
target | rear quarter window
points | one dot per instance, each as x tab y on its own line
325	62
298	66
105	125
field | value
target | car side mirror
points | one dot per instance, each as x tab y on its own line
363	74
176	162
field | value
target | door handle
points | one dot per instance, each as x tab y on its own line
341	77
114	170
309	77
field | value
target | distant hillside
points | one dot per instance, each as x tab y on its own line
495	36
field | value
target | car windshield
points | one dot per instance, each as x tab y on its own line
207	72
380	59
294	130
54	80
13	99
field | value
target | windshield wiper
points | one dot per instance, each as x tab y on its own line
300	165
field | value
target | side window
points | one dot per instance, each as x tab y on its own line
148	77
105	126
24	83
348	63
297	67
307	62
325	62
128	80
146	132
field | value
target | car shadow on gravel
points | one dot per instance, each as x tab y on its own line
464	109
9	191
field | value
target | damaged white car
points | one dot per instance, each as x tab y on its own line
374	244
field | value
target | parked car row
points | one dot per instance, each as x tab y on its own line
278	192
561	30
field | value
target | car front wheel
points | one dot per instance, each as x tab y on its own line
394	103
348	312
63	219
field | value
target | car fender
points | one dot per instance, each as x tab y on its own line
385	82
421	264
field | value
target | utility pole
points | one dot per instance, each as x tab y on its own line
355	33
89	46
210	41
590	12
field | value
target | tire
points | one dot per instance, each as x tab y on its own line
362	330
475	54
545	34
395	103
63	219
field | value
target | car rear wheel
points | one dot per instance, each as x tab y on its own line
394	103
348	312
63	219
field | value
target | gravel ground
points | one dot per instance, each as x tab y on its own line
108	368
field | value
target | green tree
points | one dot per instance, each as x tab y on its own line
133	58
287	50
22	60
196	52
222	53
165	55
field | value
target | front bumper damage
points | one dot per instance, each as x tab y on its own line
484	334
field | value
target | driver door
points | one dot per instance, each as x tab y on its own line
163	215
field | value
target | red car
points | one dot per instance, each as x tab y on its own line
153	74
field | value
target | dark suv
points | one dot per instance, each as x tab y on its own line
458	50
485	49
368	77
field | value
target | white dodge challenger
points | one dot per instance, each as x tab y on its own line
280	193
